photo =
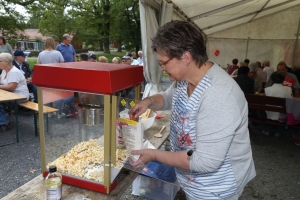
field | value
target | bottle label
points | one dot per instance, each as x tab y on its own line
54	193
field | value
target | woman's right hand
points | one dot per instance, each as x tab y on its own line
139	108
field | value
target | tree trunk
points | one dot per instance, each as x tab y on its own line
101	47
119	46
106	47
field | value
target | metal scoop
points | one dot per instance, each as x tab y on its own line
159	135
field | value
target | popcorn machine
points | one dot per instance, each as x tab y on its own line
83	143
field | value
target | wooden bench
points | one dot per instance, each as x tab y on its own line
265	103
34	107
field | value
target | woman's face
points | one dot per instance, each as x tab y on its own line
1	41
172	66
3	64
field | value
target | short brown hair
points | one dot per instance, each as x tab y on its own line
235	61
3	39
266	63
65	36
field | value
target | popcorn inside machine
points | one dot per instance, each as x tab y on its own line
81	139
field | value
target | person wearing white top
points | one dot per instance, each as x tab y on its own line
140	58
12	80
276	90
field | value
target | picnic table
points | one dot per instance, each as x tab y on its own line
35	189
6	96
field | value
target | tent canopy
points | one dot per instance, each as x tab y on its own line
212	16
255	29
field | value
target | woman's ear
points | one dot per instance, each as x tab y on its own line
187	57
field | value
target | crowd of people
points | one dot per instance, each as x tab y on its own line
256	78
16	72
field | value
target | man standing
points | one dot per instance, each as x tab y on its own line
140	58
290	79
23	66
66	49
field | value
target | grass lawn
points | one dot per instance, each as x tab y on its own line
33	60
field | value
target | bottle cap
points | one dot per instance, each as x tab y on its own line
52	168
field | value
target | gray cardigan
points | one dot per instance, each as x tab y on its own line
222	128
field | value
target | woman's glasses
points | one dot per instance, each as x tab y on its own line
163	63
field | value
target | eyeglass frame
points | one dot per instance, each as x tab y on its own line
163	63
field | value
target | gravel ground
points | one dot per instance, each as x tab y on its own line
277	163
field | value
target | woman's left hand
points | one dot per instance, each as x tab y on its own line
146	155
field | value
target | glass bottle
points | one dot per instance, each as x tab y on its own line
53	184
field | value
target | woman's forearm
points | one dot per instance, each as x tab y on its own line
9	87
178	159
156	102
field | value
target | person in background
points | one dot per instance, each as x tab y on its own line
290	79
210	144
116	60
262	73
84	58
242	64
92	58
20	63
103	59
233	67
267	68
5	47
235	72
12	80
246	61
140	58
296	71
244	81
257	78
126	60
133	55
66	49
276	90
132	61
50	55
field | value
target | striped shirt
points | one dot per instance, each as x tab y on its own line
220	184
213	122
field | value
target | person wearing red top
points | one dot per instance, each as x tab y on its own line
290	79
233	67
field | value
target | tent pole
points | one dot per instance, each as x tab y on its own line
296	45
247	47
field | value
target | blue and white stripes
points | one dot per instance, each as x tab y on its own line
220	184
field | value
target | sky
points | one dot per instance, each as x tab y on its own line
20	9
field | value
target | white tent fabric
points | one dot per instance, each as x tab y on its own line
215	15
258	50
149	27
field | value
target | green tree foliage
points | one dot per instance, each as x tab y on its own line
94	22
93	18
52	17
126	27
11	21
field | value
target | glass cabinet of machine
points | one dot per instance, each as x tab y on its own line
82	138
